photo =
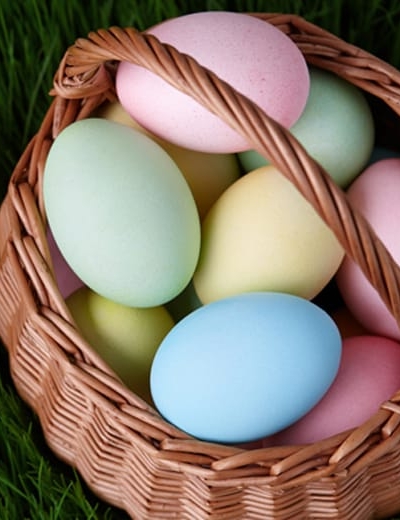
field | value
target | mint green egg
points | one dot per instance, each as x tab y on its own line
121	212
336	128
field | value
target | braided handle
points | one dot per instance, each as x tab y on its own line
86	73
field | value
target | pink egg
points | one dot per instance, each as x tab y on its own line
255	57
376	194
369	374
67	280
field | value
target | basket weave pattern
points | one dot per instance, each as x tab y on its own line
124	450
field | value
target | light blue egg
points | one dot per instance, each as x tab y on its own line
121	212
245	367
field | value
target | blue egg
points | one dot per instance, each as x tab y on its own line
244	367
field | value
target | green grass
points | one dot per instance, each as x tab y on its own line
33	483
34	34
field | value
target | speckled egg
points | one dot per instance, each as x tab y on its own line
253	56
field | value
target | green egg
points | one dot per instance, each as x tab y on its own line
121	213
336	128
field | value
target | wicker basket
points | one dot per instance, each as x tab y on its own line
127	454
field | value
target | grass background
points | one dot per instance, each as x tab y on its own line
33	37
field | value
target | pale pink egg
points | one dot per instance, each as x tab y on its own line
67	280
369	374
376	194
253	56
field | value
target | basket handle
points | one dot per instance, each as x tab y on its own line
86	72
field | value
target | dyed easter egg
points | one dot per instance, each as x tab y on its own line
244	367
336	128
369	374
126	338
376	194
252	55
262	235
121	213
207	174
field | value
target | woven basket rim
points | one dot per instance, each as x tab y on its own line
84	80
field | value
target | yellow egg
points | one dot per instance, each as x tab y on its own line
262	235
207	174
126	338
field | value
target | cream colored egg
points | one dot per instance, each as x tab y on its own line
207	174
262	235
